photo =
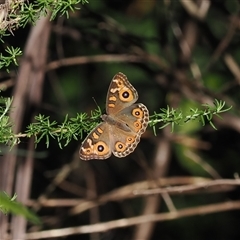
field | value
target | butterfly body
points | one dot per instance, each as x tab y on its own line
122	126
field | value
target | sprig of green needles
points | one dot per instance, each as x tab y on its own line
170	116
75	127
19	13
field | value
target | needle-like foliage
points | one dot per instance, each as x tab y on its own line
19	13
170	116
73	128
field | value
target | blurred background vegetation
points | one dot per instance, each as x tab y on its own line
175	53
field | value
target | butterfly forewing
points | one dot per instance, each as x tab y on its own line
121	94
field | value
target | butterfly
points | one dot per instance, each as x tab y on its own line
123	124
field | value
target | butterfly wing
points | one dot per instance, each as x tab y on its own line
121	94
130	124
97	144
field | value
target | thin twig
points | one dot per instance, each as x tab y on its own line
189	188
126	222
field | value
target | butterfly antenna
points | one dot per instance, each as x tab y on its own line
95	102
98	111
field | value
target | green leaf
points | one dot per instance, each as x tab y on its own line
9	205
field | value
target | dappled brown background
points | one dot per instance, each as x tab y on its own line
176	53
